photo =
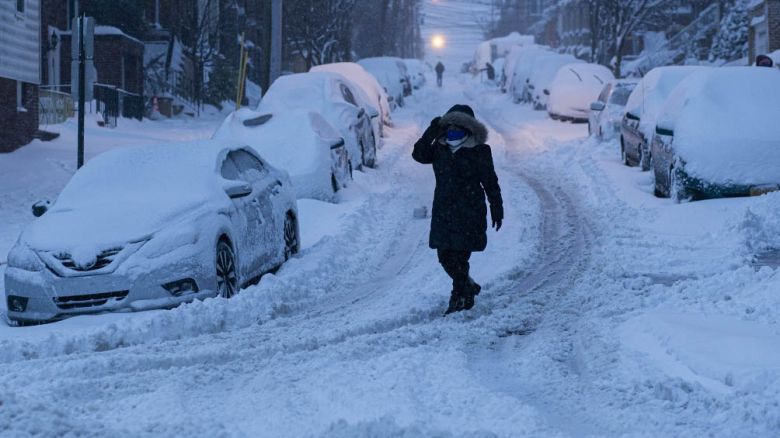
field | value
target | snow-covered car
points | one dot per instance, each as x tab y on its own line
417	71
366	82
334	98
574	88
300	142
642	108
521	69
606	112
718	135
152	227
391	74
544	69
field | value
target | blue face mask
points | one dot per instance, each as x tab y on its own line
455	134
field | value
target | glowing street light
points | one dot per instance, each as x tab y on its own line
438	41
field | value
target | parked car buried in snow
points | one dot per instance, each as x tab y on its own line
718	135
644	103
374	94
544	69
153	227
334	98
391	74
573	89
300	142
606	113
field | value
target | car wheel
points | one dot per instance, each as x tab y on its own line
369	159
291	241
623	155
227	275
334	183
645	161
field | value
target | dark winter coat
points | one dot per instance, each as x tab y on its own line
439	69
463	178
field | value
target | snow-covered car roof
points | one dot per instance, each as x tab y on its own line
726	124
652	91
292	140
575	86
307	91
362	79
129	193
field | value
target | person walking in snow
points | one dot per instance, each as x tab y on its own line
463	166
439	73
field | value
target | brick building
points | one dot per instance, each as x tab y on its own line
20	48
764	32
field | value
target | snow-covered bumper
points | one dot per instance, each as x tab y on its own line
44	295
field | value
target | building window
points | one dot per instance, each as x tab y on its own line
19	5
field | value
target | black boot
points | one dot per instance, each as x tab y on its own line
456	303
474	287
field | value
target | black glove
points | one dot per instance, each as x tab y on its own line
497	214
433	132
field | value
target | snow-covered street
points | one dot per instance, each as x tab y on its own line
605	311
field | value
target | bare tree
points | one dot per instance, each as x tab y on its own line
319	31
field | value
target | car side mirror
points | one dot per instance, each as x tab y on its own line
632	116
361	113
597	106
40	207
238	189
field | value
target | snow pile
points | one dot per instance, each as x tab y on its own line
575	86
725	123
647	99
760	225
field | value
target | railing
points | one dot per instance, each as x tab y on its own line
113	102
55	106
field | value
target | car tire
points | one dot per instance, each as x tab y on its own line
226	269
645	161
623	155
371	160
334	183
292	242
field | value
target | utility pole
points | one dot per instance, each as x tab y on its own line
273	46
82	80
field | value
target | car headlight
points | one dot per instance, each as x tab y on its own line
170	240
22	257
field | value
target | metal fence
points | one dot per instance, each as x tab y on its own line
55	106
113	102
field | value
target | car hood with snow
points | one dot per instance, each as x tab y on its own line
726	124
127	195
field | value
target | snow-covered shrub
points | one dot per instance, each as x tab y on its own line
731	40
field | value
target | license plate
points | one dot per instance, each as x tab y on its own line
763	189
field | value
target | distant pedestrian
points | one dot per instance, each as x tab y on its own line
463	166
764	61
439	73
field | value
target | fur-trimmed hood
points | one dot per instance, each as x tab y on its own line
478	131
